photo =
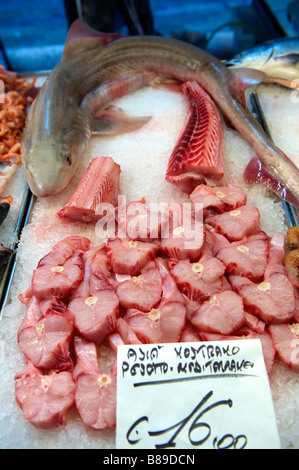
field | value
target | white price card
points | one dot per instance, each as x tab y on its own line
206	395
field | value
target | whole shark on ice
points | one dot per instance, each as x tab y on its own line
97	68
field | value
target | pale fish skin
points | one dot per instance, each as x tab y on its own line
60	122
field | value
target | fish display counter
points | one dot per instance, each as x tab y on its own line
15	195
143	153
16	96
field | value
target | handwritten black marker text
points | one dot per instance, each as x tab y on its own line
198	431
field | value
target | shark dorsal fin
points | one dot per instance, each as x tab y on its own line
81	36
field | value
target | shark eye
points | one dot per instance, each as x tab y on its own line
68	159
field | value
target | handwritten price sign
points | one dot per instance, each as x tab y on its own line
207	395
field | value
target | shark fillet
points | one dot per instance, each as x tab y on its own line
97	68
198	154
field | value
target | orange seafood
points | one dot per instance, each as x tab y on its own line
291	259
291	262
293	237
13	112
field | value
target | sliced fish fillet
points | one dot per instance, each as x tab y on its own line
198	154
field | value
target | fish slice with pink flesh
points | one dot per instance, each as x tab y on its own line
60	272
198	280
247	257
186	234
95	394
286	341
95	316
188	336
97	274
142	292
126	334
198	154
141	221
45	338
97	189
170	289
222	313
44	399
236	224
256	172
218	199
272	300
94	305
130	256
254	323
162	324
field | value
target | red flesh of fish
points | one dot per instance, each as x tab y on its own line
95	392
99	185
232	286
45	338
255	172
142	292
272	300
198	281
222	313
139	221
126	333
247	257
186	235
198	155
236	224
170	289
60	272
163	324
286	341
218	199
188	336
130	256
95	316
44	399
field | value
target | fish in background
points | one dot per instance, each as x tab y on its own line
97	68
278	59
